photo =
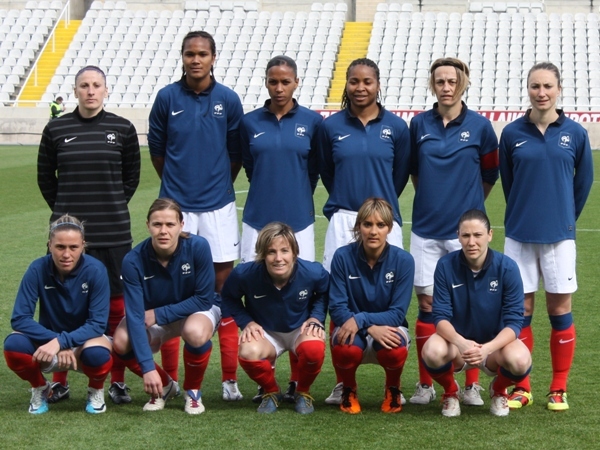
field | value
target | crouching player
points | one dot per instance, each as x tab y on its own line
478	307
73	292
168	283
284	309
371	286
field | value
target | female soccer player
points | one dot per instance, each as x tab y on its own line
194	145
169	292
478	312
371	285
454	165
284	309
89	166
280	138
364	152
547	172
73	294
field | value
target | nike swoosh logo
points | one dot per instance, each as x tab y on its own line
147	278
259	134
424	136
352	277
566	341
236	244
569	278
454	286
224	324
174	113
49	287
70	139
341	138
518	144
260	296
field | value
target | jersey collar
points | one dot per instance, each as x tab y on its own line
188	89
459	120
487	263
290	112
380	114
559	121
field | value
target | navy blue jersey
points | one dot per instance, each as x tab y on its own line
378	296
451	164
198	137
358	162
281	310
546	179
74	310
280	159
479	305
174	292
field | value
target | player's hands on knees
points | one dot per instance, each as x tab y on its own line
45	353
346	333
252	332
153	384
313	327
387	336
67	360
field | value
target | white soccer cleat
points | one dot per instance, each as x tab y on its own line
472	395
158	403
39	399
424	394
231	392
95	401
499	406
193	402
335	398
451	406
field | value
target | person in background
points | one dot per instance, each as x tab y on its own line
57	108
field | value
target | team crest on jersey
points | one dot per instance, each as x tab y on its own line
218	109
464	136
111	137
564	140
84	288
494	284
386	133
303	295
186	269
301	130
389	277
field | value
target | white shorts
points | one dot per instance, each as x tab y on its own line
219	228
481	367
369	354
426	253
305	238
159	334
339	233
554	263
53	367
283	341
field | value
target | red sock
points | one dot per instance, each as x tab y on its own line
195	366
164	376
131	364
25	367
338	376
169	353
60	377
471	376
347	358
526	337
562	350
446	380
502	382
98	374
262	373
117	371
293	367
423	332
228	341
311	355
115	313
392	362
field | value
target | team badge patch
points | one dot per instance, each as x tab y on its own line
303	295
218	109
564	140
386	133
464	136
301	130
186	269
84	288
493	283
111	137
389	277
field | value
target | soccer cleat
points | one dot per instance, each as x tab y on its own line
450	405
349	403
289	395
392	403
519	398
471	396
193	401
39	399
259	395
59	392
158	403
231	392
499	406
424	394
118	393
95	401
270	402
304	403
335	398
557	401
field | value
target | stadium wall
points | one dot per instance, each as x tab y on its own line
23	126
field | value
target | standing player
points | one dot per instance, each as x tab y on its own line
284	309
547	173
364	152
194	145
73	294
478	312
371	284
454	165
280	138
169	291
89	166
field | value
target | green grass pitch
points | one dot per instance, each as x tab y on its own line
226	425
